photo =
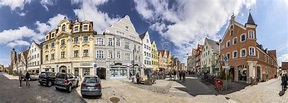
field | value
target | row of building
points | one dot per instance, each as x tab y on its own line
238	52
74	47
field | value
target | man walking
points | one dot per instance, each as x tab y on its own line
27	77
20	78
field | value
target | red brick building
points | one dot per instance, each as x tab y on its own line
247	58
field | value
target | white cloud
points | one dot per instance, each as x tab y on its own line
46	3
189	20
18	43
282	58
15	34
89	11
22	35
22	14
13	4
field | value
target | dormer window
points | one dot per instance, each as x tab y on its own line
251	34
85	27
76	28
47	37
126	27
63	27
53	34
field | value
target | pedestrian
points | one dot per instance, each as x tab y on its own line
27	77
138	78
284	81
180	75
20	78
184	75
174	74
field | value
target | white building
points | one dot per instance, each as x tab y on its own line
22	61
34	58
147	50
209	56
117	49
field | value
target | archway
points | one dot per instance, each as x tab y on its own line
63	69
101	72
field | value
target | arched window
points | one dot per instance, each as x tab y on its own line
243	52
63	27
243	37
251	51
251	34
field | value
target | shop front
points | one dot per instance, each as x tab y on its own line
83	69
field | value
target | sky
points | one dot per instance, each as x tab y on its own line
175	25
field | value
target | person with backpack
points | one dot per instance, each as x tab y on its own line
27	77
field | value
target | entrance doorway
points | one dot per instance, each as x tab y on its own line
258	72
101	72
63	69
231	73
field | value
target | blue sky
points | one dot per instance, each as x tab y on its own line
182	24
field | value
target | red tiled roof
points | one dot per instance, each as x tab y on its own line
284	66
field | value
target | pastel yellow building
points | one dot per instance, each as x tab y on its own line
155	57
70	48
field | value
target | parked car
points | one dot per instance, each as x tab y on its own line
33	76
47	78
91	86
66	81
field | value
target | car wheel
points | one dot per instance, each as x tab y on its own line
49	84
69	88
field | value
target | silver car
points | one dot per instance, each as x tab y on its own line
91	86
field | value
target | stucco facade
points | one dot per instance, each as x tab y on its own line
209	56
34	58
155	57
69	48
128	50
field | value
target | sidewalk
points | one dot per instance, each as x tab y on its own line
11	76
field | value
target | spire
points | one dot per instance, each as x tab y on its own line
250	19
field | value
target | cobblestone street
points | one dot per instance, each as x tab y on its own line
164	91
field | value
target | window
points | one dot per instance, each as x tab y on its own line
85	27
228	43
235	54
76	28
46	57
100	42
85	53
52	56
147	40
53	34
85	39
52	45
252	51
37	62
76	53
126	45
110	54
46	46
251	34
228	55
63	54
38	55
127	56
118	41
47	37
234	40
63	27
118	54
75	40
100	54
110	42
243	37
231	32
243	52
126	28
62	42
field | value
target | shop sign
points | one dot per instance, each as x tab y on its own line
85	64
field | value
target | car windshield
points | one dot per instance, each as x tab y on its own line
60	75
90	80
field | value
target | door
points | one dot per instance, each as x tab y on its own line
258	72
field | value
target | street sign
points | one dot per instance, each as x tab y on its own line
95	65
225	59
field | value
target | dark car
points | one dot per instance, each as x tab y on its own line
66	81
47	78
91	86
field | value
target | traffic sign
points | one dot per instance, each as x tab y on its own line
95	65
225	59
